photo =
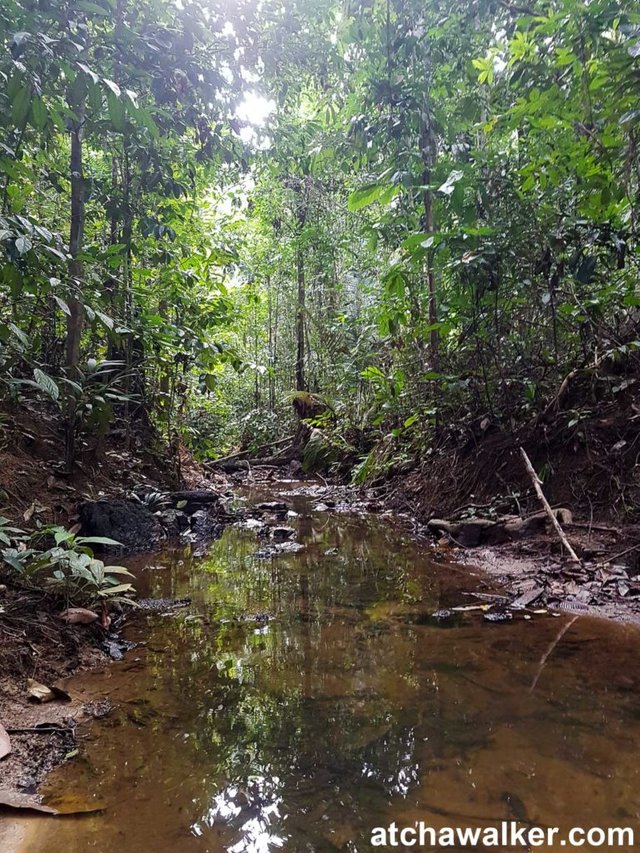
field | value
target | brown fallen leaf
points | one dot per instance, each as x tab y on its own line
5	743
78	616
14	800
41	693
74	802
65	805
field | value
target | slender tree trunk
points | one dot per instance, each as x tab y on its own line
300	309
427	152
272	359
75	319
428	228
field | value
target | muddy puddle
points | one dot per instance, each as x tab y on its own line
302	700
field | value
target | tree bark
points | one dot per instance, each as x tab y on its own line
300	309
75	319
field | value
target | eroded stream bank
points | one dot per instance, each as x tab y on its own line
303	698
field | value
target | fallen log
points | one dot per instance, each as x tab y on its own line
241	455
472	532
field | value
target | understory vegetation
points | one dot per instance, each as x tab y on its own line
418	220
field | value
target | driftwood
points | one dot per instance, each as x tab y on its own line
552	516
241	455
487	531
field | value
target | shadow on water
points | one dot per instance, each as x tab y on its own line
302	700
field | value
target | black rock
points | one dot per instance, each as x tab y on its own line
281	534
194	499
272	506
204	525
128	522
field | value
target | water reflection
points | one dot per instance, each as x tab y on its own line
301	701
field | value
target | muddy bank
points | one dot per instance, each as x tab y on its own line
39	648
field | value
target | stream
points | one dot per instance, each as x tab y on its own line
303	699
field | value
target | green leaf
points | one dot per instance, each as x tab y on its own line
450	184
113	87
23	245
105	319
20	106
630	117
367	195
63	305
96	540
39	114
19	334
91	8
46	383
117	113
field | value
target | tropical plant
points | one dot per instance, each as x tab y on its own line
69	568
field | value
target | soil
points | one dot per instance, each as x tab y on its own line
35	644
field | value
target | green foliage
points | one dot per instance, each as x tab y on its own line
68	568
436	222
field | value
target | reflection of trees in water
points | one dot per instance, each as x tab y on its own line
296	718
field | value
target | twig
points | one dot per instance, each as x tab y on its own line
617	556
40	730
537	485
545	656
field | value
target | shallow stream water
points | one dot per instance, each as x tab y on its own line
304	699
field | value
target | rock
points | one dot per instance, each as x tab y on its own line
204	525
175	521
497	616
281	534
128	522
321	507
191	500
280	548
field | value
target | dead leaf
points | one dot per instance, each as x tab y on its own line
71	802
64	805
78	616
29	512
36	507
5	743
13	800
41	693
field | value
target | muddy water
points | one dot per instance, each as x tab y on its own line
302	700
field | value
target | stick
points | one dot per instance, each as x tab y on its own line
617	556
537	485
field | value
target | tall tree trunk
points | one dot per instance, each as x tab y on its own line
427	153
427	146
300	309
75	319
